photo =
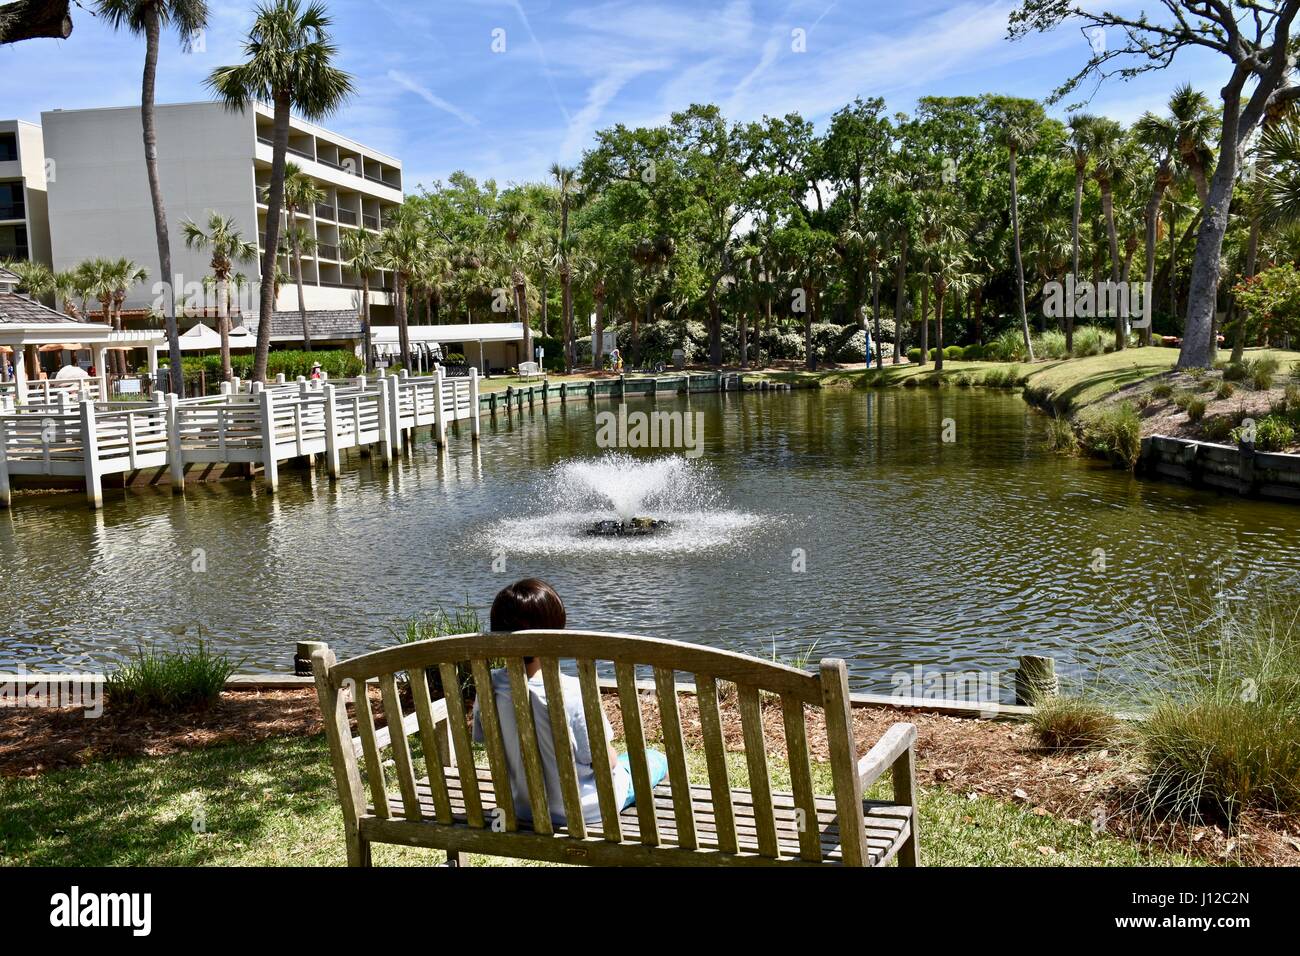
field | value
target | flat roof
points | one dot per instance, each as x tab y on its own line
469	332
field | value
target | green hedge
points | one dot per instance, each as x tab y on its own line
337	363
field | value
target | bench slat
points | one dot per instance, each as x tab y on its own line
796	746
595	714
706	689
534	775
366	731
630	705
751	723
844	760
460	739
401	749
670	721
493	741
429	743
563	741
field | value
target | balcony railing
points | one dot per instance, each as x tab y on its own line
370	222
13	211
324	211
347	217
14	252
267	141
326	251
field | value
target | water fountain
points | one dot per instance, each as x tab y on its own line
618	502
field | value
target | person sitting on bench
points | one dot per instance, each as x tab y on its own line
532	604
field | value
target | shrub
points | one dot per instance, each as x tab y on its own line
1223	734
454	358
441	623
1088	340
1272	433
1261	378
1115	432
156	680
1225	390
1072	723
1004	377
1060	435
1144	402
910	382
1162	390
963	380
1195	408
1050	344
1236	372
1217	429
1007	347
1183	399
973	353
914	355
954	352
1291	399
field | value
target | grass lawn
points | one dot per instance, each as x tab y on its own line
273	804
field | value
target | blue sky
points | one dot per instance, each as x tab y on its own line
431	91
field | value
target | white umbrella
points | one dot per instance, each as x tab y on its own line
200	338
241	338
69	372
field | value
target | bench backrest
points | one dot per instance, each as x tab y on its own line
660	659
527	368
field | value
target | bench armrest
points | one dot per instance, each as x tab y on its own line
897	741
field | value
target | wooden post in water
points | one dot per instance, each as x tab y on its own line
302	657
385	422
439	409
90	451
331	436
175	454
6	494
475	424
1035	679
270	464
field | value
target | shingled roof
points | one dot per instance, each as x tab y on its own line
9	278
17	309
323	324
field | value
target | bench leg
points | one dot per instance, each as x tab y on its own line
358	850
457	859
904	779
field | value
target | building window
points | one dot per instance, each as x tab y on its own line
8	147
11	201
13	242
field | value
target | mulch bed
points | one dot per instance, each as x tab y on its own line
998	759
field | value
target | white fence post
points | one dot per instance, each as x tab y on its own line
395	404
90	452
473	402
439	409
331	433
175	454
6	494
385	424
270	464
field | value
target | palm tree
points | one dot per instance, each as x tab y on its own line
1075	148
149	17
404	246
1159	136
34	278
516	222
227	246
1108	153
1196	124
567	185
66	286
1017	136
301	194
362	253
126	275
289	66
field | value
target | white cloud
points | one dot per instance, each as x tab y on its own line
432	98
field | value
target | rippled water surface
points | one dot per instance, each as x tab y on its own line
915	551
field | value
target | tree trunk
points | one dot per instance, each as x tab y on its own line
34	20
925	319
938	327
809	354
365	320
900	299
297	268
223	326
270	255
1080	170
875	311
521	309
1112	239
1199	345
978	306
570	338
598	347
403	323
715	331
152	28
1020	263
1252	259
1152	222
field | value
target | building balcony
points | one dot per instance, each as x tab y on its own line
19	253
13	211
347	217
324	211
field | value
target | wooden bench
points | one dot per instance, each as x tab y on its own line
529	370
456	806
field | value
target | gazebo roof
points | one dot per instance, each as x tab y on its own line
17	309
24	321
9	278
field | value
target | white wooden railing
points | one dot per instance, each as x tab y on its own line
56	436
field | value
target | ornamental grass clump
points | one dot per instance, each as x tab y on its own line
1115	432
165	681
1073	723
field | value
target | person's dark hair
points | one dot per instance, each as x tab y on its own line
530	604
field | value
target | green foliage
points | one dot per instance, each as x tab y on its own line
1114	432
954	352
1090	340
914	355
1060	435
1272	433
1225	390
1050	344
1236	372
1162	390
1072	723
162	681
1217	429
1269	302
1008	376
974	353
1007	347
1195	409
336	363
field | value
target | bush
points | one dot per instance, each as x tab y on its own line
454	358
441	623
1072	723
1217	429
1183	399
914	355
1115	433
167	681
1236	372
1088	340
1060	435
1050	344
1223	734
1195	409
1004	377
973	353
1272	433
1007	347
1225	390
1162	390
954	352
1261	378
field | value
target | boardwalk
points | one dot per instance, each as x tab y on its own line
62	434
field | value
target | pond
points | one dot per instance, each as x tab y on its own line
813	523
